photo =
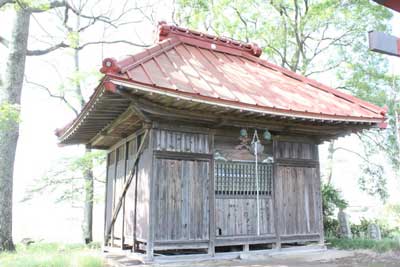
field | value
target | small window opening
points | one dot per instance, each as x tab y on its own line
239	178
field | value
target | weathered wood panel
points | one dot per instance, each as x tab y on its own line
295	150
109	188
238	216
143	192
295	193
168	140
119	183
181	197
129	218
227	140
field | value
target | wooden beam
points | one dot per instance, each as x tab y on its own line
155	111
134	104
126	186
99	136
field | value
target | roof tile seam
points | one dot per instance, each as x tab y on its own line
318	85
141	60
191	65
181	72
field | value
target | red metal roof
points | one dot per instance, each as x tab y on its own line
222	70
393	4
190	65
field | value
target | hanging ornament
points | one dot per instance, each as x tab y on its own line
243	132
243	139
267	135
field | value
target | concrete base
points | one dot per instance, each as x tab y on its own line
116	257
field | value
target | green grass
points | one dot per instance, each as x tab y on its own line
52	255
383	245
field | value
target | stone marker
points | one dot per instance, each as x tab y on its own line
374	232
344	225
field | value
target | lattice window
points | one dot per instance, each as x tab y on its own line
238	178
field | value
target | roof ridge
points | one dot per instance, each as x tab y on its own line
193	37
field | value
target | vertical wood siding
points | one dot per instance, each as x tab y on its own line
143	192
238	216
297	195
295	150
167	140
129	218
109	189
182	207
119	183
137	196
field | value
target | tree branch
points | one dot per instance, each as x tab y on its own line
4	41
4	2
355	153
61	97
111	42
47	50
51	5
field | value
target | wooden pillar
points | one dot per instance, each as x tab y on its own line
211	194
275	205
319	199
106	198
114	190
152	186
134	247
123	205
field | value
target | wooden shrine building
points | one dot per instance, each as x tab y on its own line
178	121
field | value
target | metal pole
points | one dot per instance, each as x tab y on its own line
257	185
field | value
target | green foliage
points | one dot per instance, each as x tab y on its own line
373	181
36	4
383	245
52	255
299	35
67	178
331	201
73	38
8	114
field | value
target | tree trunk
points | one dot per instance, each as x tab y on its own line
88	207
11	93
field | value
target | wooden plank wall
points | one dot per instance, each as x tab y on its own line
109	188
238	216
180	141
181	211
129	218
128	224
297	189
143	192
181	195
119	183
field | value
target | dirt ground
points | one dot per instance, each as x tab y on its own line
328	258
